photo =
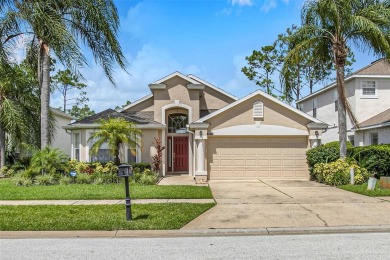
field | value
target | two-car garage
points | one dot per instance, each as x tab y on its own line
232	157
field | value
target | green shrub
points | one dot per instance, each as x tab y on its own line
142	166
29	174
4	170
146	177
338	173
18	167
49	161
326	153
65	180
45	180
375	158
83	178
23	182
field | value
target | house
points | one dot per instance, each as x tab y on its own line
210	134
61	139
368	93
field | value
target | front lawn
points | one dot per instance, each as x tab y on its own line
8	191
362	189
99	217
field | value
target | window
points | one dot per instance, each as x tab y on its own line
131	155
336	106
300	107
258	109
177	123
103	156
76	143
314	107
352	139
369	89
374	138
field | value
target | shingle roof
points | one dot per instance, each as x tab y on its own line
111	113
381	118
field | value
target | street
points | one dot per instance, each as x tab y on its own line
325	246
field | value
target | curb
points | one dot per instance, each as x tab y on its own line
272	231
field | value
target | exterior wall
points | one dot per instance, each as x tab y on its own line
146	105
242	114
368	107
62	139
362	138
212	99
176	90
148	144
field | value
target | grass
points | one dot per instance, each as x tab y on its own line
99	217
362	189
8	191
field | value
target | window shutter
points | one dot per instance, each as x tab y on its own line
258	109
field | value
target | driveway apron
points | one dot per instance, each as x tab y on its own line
288	203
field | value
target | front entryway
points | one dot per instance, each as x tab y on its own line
177	154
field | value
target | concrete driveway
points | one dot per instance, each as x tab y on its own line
288	203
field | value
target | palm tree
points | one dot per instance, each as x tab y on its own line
336	25
19	106
57	27
116	132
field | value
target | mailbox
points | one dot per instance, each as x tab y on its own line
125	170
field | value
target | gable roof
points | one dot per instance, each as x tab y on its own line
212	86
136	102
265	95
61	113
191	78
379	120
175	74
378	69
110	113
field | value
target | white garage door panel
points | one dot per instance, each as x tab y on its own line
250	158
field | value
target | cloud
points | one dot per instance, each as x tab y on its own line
268	5
239	84
242	2
147	66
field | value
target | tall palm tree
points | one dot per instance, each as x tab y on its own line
334	27
115	132
19	106
57	27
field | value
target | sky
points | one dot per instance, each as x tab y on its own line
207	38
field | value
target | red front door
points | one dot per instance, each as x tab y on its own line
179	154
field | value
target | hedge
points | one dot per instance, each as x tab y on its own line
326	153
375	158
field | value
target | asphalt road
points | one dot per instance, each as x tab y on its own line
326	246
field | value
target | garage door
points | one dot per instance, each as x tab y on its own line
251	158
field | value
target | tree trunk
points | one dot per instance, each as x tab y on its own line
2	147
117	160
342	118
45	95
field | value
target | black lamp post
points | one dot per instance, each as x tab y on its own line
125	170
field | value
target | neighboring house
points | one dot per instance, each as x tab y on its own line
368	93
210	134
61	138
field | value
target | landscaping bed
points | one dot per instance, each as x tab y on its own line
99	217
8	191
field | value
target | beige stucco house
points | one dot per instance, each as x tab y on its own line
368	93
210	134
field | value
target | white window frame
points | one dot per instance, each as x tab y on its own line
362	95
258	109
377	138
73	155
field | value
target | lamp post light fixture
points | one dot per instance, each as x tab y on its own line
125	170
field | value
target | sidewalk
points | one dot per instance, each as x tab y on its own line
100	202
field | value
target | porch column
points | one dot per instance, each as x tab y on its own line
200	151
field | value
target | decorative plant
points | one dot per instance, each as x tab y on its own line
157	158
